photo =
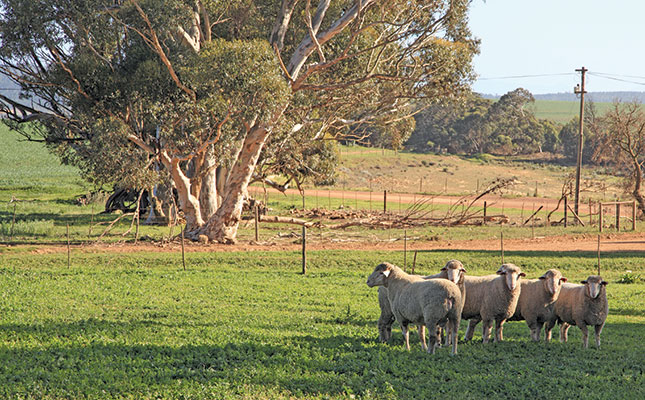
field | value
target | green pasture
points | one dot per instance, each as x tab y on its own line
249	326
563	111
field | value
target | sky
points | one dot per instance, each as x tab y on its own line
553	37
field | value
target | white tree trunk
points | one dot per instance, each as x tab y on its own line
208	198
188	203
222	226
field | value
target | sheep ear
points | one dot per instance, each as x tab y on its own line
543	276
444	268
522	274
583	282
604	283
563	279
463	270
387	272
501	271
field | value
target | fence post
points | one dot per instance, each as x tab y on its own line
485	212
183	252
634	215
590	214
385	201
257	223
414	261
501	240
13	222
304	250
69	250
618	217
600	222
565	212
598	254
405	249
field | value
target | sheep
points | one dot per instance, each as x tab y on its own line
491	297
451	271
581	305
414	300
535	304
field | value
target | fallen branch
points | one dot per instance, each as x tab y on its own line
109	227
285	220
533	215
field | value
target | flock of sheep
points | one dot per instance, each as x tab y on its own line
439	301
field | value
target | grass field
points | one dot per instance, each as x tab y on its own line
247	325
563	111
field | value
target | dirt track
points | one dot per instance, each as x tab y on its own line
609	242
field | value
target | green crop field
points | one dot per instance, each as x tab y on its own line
247	325
562	111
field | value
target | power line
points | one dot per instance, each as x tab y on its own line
617	79
619	75
526	76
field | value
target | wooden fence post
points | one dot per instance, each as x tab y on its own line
414	261
257	223
501	240
183	256
618	217
565	211
385	201
69	250
598	254
405	249
600	222
13	222
304	250
485	206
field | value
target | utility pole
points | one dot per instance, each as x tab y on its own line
580	89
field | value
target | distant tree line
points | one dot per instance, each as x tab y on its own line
477	125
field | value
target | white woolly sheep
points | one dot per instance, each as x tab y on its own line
491	298
433	302
452	271
581	305
537	297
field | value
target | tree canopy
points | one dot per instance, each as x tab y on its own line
136	92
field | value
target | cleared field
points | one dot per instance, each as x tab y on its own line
247	325
562	111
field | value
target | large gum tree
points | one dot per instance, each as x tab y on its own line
135	90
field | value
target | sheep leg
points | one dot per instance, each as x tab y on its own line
536	328
443	335
585	335
432	327
499	326
385	327
406	335
547	330
422	336
564	331
470	331
486	330
453	328
598	330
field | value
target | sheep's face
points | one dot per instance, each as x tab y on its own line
553	281
380	275
454	269
512	274
593	286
